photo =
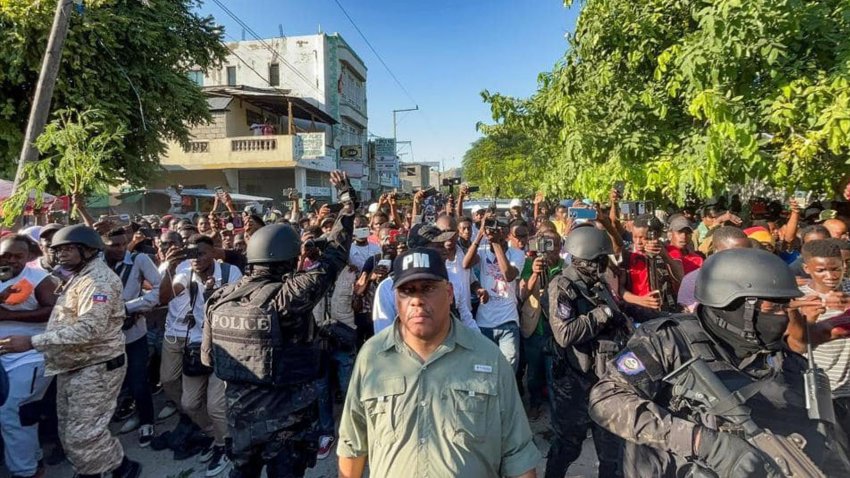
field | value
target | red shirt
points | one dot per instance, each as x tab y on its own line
690	261
638	274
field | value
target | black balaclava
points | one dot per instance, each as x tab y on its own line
728	325
590	270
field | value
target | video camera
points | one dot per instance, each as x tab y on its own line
541	245
495	223
451	181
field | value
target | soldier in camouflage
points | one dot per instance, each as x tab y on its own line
84	347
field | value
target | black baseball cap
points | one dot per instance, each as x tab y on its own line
419	264
421	235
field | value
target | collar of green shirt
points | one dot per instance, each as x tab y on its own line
458	335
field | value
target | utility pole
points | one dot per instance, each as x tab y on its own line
44	89
395	128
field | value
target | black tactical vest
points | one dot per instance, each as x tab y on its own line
249	344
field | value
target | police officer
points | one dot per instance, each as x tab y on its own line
84	347
739	331
259	337
588	331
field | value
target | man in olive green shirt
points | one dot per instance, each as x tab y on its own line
429	397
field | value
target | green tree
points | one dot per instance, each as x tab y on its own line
686	97
128	60
76	146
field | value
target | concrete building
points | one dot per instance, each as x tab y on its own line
286	111
415	176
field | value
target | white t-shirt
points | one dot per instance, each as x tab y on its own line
833	357
502	306
176	323
461	279
27	281
357	255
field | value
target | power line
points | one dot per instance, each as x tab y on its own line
395	78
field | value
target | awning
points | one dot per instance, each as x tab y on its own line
274	100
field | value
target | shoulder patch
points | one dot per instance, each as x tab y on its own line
100	298
629	364
564	311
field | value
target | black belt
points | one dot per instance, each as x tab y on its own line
115	363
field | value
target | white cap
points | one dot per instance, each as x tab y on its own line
515	203
373	208
475	209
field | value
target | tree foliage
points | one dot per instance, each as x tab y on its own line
126	59
684	97
76	145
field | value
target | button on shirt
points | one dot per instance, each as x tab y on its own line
457	414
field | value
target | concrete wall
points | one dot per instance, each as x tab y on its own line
217	128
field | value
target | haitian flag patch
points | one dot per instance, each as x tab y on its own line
99	298
629	364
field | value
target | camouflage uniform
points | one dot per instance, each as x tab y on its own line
84	346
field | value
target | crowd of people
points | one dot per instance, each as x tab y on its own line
443	332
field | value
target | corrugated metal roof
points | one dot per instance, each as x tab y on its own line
218	103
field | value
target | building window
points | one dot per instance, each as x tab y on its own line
196	77
274	74
231	76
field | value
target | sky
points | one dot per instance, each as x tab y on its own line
444	53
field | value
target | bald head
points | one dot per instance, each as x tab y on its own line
836	227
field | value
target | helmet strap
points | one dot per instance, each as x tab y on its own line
748	333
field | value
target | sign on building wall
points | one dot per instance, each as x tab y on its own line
313	145
384	147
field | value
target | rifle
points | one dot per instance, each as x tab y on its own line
602	292
661	280
705	387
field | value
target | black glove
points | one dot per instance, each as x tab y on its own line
729	456
602	314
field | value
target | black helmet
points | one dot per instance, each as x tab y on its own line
744	273
273	243
588	243
78	234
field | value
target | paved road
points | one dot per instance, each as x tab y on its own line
161	464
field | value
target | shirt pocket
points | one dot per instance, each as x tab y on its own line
382	402
471	400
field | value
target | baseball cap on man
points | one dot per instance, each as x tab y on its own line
679	223
515	203
421	235
418	264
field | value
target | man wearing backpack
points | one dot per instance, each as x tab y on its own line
260	337
135	269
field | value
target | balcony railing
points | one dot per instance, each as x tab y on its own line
253	144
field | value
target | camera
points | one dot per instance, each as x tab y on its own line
426	193
451	181
541	244
495	223
291	193
473	189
